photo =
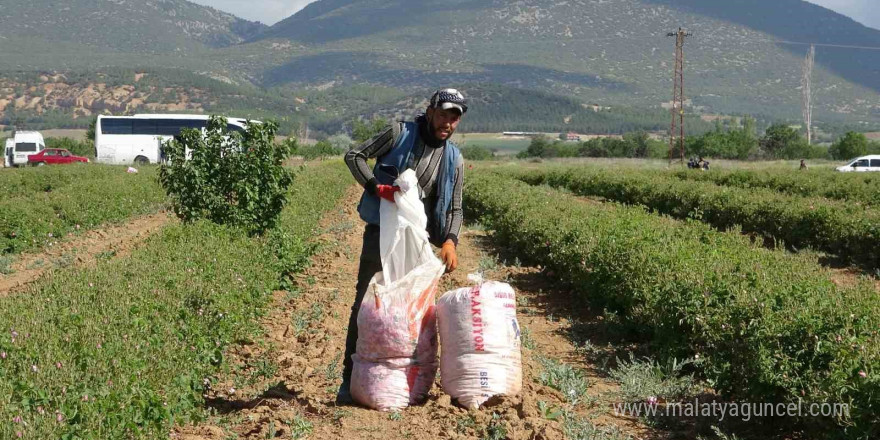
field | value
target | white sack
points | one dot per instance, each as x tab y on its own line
481	343
396	358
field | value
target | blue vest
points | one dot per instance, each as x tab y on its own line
393	163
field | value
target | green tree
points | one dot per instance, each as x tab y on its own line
228	177
536	147
90	132
363	131
783	142
850	145
476	152
638	143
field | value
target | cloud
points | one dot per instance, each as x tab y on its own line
266	11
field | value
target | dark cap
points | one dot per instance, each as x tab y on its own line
447	99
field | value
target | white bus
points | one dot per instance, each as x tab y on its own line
25	144
123	140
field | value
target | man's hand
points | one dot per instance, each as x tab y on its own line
448	255
387	192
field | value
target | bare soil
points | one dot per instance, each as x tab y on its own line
308	360
81	250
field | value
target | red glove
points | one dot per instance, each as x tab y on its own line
387	191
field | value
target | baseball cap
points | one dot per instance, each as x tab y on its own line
447	99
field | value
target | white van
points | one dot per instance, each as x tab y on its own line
26	143
864	163
7	153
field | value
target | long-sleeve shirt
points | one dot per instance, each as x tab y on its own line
426	163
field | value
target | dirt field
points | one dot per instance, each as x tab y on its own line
113	241
304	337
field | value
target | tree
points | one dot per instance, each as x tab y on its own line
638	142
90	132
536	147
783	142
476	152
850	145
362	131
340	142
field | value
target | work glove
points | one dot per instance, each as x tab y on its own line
387	192
448	255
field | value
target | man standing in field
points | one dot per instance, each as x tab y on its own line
422	145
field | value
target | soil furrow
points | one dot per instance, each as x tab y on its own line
283	385
80	251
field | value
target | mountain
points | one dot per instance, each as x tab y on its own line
151	26
607	51
525	62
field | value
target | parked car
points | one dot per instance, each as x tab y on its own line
55	156
864	163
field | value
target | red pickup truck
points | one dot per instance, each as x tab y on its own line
54	156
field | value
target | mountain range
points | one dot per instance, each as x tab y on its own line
744	56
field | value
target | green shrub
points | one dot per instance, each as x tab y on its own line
231	178
47	203
847	230
476	152
127	348
767	325
80	148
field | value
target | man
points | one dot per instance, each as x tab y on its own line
423	146
803	165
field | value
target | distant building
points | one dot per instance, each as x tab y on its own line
572	137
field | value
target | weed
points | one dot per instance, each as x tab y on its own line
526	339
395	416
496	429
300	427
332	370
563	377
548	412
6	264
105	255
642	378
487	263
465	422
580	428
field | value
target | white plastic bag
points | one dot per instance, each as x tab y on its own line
396	358
481	343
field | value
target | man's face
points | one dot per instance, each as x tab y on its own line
443	122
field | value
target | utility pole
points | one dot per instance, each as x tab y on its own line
677	126
806	88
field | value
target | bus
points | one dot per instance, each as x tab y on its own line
25	144
123	140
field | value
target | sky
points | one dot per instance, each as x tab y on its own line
273	11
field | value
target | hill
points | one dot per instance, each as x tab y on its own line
154	26
608	52
526	63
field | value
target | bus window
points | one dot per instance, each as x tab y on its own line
168	127
234	128
143	126
115	126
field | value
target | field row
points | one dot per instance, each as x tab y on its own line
855	188
845	229
126	349
768	325
43	204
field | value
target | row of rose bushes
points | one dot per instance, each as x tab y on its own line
770	326
845	229
856	188
47	203
127	348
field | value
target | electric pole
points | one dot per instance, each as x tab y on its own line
806	88
677	126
